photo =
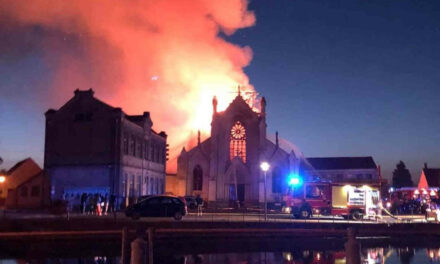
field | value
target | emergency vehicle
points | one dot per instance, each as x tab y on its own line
303	200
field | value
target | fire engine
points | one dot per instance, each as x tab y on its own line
305	199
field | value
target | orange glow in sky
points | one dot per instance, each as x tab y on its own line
161	56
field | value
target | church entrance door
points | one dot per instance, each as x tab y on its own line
240	193
236	194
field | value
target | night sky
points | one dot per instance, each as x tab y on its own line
341	78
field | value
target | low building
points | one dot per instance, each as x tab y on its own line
92	147
26	186
343	170
429	178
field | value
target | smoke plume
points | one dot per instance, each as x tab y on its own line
162	56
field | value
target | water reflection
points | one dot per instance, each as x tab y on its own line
91	260
368	256
376	255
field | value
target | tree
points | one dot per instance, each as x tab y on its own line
401	176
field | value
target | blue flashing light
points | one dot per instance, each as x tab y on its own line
294	180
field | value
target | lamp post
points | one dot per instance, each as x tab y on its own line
2	181
265	167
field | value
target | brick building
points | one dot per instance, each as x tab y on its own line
91	147
26	187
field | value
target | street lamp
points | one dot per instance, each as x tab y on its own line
265	167
2	179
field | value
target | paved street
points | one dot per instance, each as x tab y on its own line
226	217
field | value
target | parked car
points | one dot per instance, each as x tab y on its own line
143	197
158	206
191	202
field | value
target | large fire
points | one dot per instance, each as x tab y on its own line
163	56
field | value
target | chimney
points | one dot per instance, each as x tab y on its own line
198	137
79	92
276	139
426	165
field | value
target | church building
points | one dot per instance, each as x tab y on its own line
225	168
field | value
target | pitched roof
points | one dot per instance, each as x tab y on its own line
432	177
240	103
38	174
342	163
17	165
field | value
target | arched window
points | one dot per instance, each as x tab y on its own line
197	178
277	186
237	145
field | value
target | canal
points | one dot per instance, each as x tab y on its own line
232	251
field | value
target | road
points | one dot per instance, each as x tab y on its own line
227	217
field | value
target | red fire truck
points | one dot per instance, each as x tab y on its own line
303	200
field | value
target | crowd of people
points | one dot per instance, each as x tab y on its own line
97	204
406	205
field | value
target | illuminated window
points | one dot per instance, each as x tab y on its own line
237	145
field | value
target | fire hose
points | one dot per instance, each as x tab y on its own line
389	213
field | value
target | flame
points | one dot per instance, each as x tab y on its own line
162	56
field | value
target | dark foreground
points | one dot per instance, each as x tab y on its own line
91	237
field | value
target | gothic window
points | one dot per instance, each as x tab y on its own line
197	178
277	186
237	145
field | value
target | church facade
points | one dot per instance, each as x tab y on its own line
225	168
